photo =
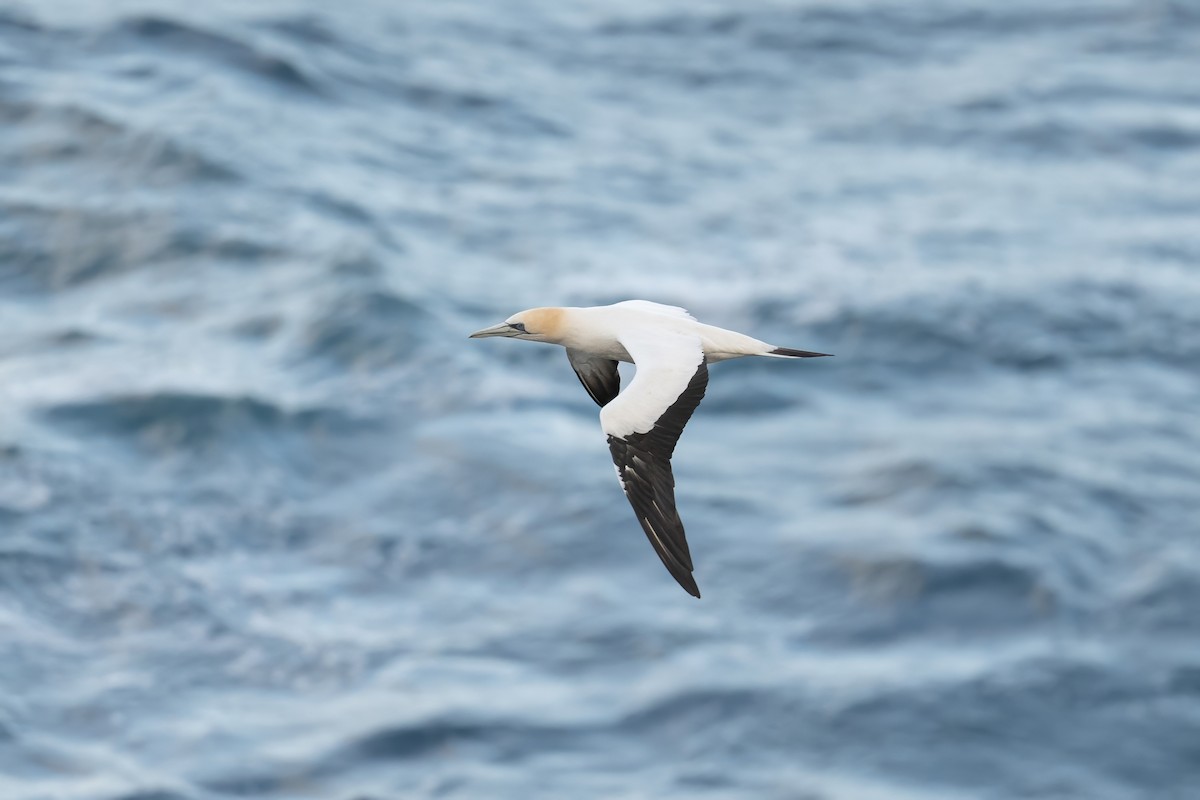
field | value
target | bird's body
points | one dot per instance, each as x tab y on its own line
598	330
672	351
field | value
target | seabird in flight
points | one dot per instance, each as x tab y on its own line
672	352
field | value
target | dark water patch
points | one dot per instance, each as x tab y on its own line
366	329
388	75
29	253
26	562
815	31
1164	598
1171	252
35	252
957	245
445	98
1165	44
16	20
1049	138
1041	711
758	388
1057	138
501	115
1084	92
985	591
342	208
676	25
1162	137
986	125
753	49
359	267
251	247
249	784
1185	680
80	121
143	589
188	422
698	709
848	41
306	29
902	597
503	741
78	136
73	337
823	41
152	794
51	342
617	645
899	22
986	106
27	485
1063	324
1015	19
45	249
421	740
796	583
223	49
890	481
259	327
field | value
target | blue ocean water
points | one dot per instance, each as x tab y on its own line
271	527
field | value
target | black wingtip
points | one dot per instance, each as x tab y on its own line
787	351
689	585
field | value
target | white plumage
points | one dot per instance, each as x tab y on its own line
672	351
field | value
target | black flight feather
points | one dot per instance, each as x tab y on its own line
598	375
644	465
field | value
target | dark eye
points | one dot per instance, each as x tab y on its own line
518	326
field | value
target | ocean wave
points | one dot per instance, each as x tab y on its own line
222	48
152	794
188	422
80	137
1103	321
366	330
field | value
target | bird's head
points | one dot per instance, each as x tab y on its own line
535	325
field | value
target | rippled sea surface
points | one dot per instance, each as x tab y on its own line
271	527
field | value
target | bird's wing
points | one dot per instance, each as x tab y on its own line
656	308
598	375
643	424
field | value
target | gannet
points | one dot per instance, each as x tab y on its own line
672	351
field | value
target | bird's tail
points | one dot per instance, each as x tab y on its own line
787	352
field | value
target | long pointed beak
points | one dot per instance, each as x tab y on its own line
503	329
